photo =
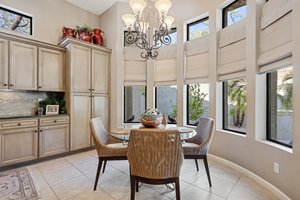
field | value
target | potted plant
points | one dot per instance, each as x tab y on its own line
84	33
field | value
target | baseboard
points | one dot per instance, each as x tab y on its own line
250	174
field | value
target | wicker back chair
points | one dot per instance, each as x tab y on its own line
155	157
108	148
197	146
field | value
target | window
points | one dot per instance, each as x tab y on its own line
173	35
165	102
279	106
235	105
198	29
15	21
134	103
197	102
234	12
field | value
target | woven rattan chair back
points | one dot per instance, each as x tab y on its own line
99	134
155	154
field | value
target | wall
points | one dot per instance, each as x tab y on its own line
252	151
51	15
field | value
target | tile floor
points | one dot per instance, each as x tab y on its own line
72	177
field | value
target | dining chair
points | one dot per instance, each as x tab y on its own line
155	157
197	147
108	147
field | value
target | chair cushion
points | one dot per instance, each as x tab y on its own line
189	145
117	145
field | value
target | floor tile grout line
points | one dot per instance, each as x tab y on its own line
234	186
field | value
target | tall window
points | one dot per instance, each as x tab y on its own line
234	12
198	29
134	103
165	102
15	21
197	102
235	105
173	35
279	106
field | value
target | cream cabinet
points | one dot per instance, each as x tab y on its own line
3	64
23	66
51	70
87	81
54	135
19	141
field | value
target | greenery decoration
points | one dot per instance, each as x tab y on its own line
54	98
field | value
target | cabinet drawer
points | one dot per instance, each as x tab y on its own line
54	121
18	124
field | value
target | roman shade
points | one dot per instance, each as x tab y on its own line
135	67
165	66
196	60
275	46
232	51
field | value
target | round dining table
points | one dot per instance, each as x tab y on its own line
124	132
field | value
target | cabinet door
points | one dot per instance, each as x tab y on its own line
100	108
54	140
18	145
3	64
51	70
99	71
80	69
23	66
80	116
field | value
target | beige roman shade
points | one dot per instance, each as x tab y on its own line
232	51
196	60
165	66
275	46
135	67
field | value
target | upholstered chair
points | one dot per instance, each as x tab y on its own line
108	147
155	157
197	146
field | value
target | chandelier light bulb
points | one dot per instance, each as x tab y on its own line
129	20
163	7
137	7
169	21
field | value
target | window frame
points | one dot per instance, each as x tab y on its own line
224	18
268	115
193	23
124	104
20	13
225	109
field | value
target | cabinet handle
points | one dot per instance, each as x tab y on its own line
55	121
41	130
35	131
4	84
11	85
19	124
90	89
93	89
40	86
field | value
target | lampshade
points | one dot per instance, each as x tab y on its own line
129	20
163	7
137	6
169	21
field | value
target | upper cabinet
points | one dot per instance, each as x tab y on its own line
99	72
30	65
51	70
23	66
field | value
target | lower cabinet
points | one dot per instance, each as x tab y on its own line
54	136
19	145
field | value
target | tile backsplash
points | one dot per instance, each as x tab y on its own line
19	103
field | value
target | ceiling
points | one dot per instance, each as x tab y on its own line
95	6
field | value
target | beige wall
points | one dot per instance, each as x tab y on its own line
51	15
252	151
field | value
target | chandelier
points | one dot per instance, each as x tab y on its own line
148	27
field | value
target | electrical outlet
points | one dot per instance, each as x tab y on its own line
276	168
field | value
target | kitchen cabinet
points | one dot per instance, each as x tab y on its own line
19	141
54	135
3	64
87	82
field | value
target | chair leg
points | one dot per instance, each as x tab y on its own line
104	165
196	162
177	187
132	187
137	186
98	173
207	170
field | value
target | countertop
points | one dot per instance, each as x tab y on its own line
31	117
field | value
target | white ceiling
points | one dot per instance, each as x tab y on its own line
94	6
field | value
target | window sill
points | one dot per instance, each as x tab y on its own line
231	133
278	146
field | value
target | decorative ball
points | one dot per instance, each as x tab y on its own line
151	118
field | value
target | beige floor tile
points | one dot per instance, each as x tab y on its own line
93	153
191	174
92	195
39	181
47	194
224	172
195	193
121	165
80	158
147	194
53	165
72	187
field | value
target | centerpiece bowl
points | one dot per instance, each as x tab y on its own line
151	118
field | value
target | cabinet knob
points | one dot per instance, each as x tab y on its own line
35	131
4	84
90	89
93	89
11	85
40	86
19	124
41	130
55	121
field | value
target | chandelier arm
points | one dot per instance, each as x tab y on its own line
130	38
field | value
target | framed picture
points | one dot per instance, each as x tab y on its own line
52	109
